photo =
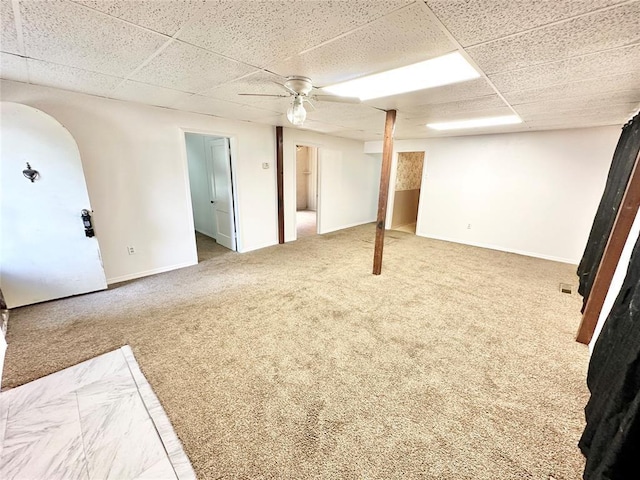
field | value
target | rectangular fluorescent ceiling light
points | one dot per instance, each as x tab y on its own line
450	68
476	123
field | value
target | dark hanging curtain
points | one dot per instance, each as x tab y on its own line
611	439
623	160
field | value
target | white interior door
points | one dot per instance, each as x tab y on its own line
44	253
222	191
200	185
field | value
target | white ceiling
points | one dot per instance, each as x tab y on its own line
556	63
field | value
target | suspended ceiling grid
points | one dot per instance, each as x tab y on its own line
556	63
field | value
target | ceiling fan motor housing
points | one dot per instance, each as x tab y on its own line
300	85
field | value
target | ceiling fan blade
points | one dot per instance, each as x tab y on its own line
306	100
334	98
262	95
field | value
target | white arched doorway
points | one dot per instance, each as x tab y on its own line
45	252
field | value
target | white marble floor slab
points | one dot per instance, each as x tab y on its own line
96	420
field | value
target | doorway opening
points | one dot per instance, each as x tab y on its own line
306	191
212	198
407	191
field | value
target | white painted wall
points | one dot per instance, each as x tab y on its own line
533	193
617	280
134	160
203	215
348	181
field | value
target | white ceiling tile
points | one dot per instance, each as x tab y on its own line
262	32
13	67
361	135
70	78
576	122
191	69
615	27
316	126
221	108
65	33
449	93
558	108
618	112
461	107
606	89
259	83
148	94
404	37
164	16
611	62
345	115
8	34
479	21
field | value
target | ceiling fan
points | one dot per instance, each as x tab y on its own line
300	90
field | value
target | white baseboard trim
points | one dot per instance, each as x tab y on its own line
146	273
258	247
342	227
503	249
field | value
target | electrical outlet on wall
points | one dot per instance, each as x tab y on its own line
131	250
468	226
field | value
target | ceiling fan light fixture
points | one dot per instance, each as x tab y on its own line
476	123
296	113
444	70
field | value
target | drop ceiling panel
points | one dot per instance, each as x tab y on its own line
259	83
263	32
149	94
611	28
221	108
70	78
613	113
163	16
461	107
611	62
449	93
360	135
13	67
346	115
601	87
404	37
191	69
577	122
315	126
8	35
558	107
483	20
65	33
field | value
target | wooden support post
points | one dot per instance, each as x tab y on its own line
387	151
280	182
617	239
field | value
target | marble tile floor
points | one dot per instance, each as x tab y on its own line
96	420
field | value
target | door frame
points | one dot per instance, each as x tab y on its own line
392	191
233	151
295	176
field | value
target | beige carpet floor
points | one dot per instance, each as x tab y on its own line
295	362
